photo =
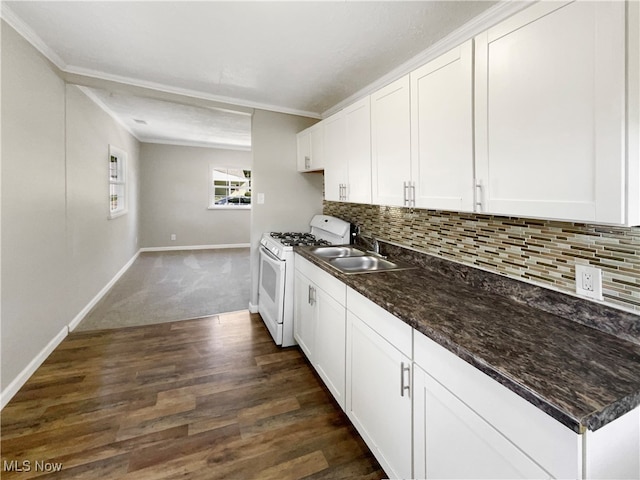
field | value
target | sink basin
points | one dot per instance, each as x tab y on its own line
337	251
365	264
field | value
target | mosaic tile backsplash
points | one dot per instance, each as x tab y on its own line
537	251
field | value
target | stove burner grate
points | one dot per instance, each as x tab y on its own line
294	239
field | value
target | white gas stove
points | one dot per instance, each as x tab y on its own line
275	293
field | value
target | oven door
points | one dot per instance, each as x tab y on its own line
271	293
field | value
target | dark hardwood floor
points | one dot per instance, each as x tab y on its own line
212	398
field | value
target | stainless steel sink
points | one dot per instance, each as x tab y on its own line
337	251
365	264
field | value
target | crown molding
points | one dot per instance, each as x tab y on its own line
27	32
184	92
30	36
187	143
473	27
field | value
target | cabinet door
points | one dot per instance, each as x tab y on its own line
376	403
550	112
452	441
303	315
317	146
335	168
304	150
442	131
358	151
391	143
330	344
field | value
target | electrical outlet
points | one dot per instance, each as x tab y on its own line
173	236
589	281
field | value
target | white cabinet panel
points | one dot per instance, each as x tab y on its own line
330	344
613	451
303	315
358	151
452	441
550	444
390	143
335	151
320	324
550	113
304	150
442	131
377	402
310	143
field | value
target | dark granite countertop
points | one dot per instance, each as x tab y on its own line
581	376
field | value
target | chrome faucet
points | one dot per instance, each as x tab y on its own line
372	242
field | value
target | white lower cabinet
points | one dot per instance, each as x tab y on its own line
426	413
330	344
303	315
379	383
453	441
319	324
487	430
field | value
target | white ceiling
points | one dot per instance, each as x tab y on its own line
293	57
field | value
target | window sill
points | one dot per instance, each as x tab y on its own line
224	207
120	213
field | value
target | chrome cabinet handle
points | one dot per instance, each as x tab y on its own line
404	387
479	192
312	295
343	191
413	194
406	193
309	299
307	162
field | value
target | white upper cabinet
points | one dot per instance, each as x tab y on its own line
347	149
391	144
442	132
335	152
311	148
550	113
357	119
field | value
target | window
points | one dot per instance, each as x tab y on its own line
117	182
229	188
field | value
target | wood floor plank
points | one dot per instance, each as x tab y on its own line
200	399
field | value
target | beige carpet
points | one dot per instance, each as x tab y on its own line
176	285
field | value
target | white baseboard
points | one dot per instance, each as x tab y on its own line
83	313
195	247
253	308
17	383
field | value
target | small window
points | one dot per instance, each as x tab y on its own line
229	188
117	182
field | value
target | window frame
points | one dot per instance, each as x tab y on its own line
117	181
212	188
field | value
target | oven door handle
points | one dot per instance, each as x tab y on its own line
270	255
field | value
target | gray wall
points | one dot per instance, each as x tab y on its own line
58	248
98	247
291	198
34	284
175	193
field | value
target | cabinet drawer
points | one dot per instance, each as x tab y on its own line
552	445
322	279
391	328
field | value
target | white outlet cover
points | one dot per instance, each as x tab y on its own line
596	275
